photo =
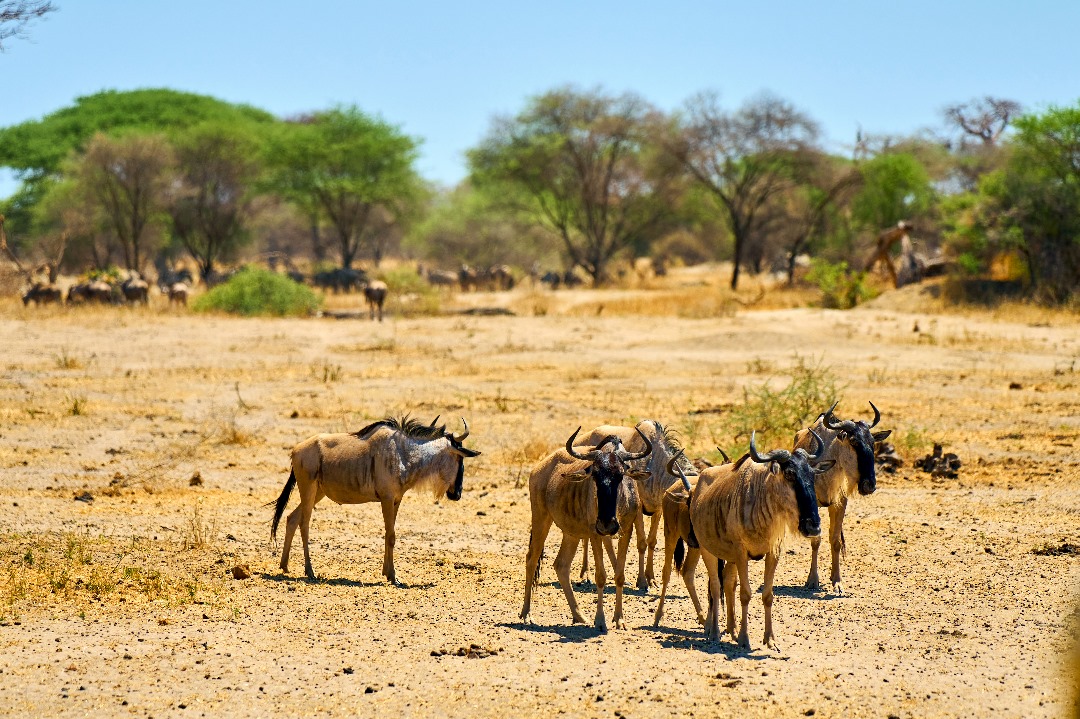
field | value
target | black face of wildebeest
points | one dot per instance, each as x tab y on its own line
800	474
607	473
454	492
456	448
862	440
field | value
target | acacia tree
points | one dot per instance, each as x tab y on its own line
583	165
743	159
15	15
126	178
210	204
980	125
345	164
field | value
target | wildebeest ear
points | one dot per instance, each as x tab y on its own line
640	476
576	476
880	436
823	467
465	451
774	467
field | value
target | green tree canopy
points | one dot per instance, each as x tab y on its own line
343	164
895	187
583	165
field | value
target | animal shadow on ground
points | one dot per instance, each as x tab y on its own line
800	592
694	640
586	586
575	633
339	581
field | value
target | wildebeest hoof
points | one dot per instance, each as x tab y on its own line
578	619
813	584
620	624
837	589
744	642
643	583
771	644
701	619
600	624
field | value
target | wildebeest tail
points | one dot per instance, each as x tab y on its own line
281	503
680	554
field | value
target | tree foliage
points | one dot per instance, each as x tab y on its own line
15	15
583	165
342	165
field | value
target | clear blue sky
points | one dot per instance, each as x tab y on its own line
441	70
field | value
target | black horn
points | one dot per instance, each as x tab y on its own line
818	442
588	456
630	456
777	455
836	425
723	454
435	421
877	415
674	465
461	438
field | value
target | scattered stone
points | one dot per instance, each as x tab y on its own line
241	571
196	480
295	414
732	684
347	670
938	464
473	651
1057	550
231	538
84	497
1015	385
162	621
370	690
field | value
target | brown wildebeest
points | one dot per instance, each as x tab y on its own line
851	445
650	491
136	290
94	291
178	293
589	496
43	294
377	464
744	510
375	293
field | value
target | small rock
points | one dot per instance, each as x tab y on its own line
241	571
84	497
196	480
1015	385
347	670
294	414
162	621
370	690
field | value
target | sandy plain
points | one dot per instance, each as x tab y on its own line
126	605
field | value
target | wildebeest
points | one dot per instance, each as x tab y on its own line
379	463
650	490
680	542
94	291
340	279
375	293
744	510
136	290
441	278
588	496
43	294
502	278
178	293
851	445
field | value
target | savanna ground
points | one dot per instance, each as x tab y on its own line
127	605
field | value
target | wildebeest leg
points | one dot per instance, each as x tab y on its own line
309	496
836	539
389	515
654	528
742	565
670	540
813	582
584	560
540	527
712	620
688	568
291	523
642	546
599	621
731	578
620	576
563	560
767	599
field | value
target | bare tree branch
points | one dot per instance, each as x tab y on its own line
15	15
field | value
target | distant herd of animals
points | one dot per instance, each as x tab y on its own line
601	487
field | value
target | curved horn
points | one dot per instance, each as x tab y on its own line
877	415
674	464
778	455
588	456
723	454
435	421
835	424
461	438
820	446
630	456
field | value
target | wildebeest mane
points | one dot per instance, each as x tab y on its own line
410	427
670	436
741	460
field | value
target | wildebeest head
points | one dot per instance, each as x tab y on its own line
799	468
861	440
454	492
607	469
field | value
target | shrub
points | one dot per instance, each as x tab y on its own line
410	294
253	291
840	286
778	414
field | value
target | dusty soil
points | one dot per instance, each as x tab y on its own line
127	605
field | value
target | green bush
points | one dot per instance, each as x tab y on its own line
410	294
777	414
841	287
253	291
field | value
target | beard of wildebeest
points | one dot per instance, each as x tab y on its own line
863	444
607	472
454	493
801	476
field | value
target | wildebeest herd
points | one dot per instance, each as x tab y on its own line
602	488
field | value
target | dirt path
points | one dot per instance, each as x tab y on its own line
126	604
